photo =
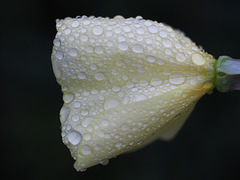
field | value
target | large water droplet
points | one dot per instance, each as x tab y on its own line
68	97
64	113
198	59
74	137
177	78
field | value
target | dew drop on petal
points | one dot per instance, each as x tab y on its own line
180	57
141	97
73	52
75	24
64	113
153	29
111	103
198	59
177	78
123	46
137	48
98	30
156	81
86	150
74	137
59	55
99	76
68	97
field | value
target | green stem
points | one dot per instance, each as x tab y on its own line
227	74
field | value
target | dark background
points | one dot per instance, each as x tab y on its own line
208	145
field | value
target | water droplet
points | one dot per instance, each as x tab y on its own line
117	30
119	62
57	70
77	104
86	150
98	30
81	75
156	81
123	46
68	97
75	24
116	88
131	143
180	57
140	97
143	83
86	121
84	37
127	29
177	78
111	103
64	113
137	48
89	49
87	137
125	127
73	52
104	162
74	137
129	84
99	50
163	34
99	76
59	55
105	122
67	31
147	23
84	112
57	42
153	29
75	118
86	22
118	144
167	43
160	62
150	59
93	67
198	59
140	31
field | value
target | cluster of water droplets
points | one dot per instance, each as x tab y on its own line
111	68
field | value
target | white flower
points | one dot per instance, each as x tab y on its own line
126	83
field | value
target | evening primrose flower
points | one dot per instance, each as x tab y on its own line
128	82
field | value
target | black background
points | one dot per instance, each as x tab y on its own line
208	145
